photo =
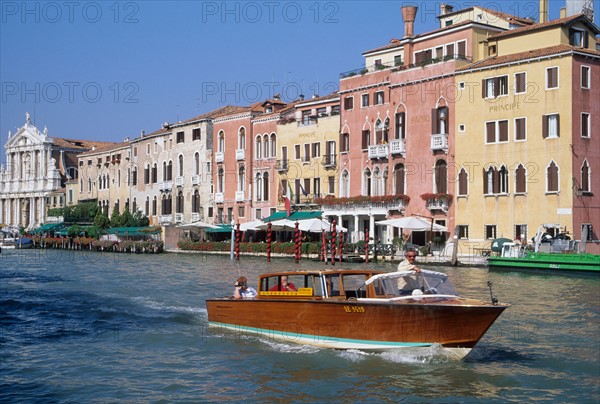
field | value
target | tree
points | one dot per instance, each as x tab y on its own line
140	220
101	221
115	218
126	220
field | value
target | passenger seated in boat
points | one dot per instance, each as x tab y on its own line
407	284
284	285
242	290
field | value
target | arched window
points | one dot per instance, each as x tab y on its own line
266	146
266	186
164	170
503	180
367	186
379	132
154	203
376	181
89	184
520	180
241	181
586	177
552	177
273	145
221	145
384	184
197	163
463	182
147	206
181	165
81	185
259	188
441	177
489	177
196	202
242	138
399	179
170	171
154	173
257	148
345	185
179	203
400	132
221	181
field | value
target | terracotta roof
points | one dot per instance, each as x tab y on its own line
396	43
223	111
78	143
544	25
505	16
105	148
532	54
508	17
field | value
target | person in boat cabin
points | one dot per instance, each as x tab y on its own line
284	285
408	284
242	290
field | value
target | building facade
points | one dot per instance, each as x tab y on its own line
37	166
527	153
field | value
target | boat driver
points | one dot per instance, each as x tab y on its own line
242	290
408	284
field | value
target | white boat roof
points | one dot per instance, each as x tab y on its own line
400	274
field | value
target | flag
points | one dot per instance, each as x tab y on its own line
303	190
289	195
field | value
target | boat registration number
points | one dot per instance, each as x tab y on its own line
354	309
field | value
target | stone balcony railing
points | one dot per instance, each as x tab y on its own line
239	196
219	157
179	181
397	146
195	180
240	154
165	186
437	204
165	219
379	151
219	197
439	142
388	202
178	217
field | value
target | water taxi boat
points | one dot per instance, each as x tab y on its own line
360	309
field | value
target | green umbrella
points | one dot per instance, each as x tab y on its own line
497	243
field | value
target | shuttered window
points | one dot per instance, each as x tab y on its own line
366	139
551	77
550	126
520	129
463	182
520	180
552	178
520	83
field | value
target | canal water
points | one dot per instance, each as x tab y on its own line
100	327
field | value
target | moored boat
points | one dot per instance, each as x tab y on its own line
546	253
360	309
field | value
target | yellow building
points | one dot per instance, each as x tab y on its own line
308	152
105	176
526	139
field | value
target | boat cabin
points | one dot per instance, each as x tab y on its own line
352	284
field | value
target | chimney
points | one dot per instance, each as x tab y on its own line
543	11
408	16
445	9
301	96
142	133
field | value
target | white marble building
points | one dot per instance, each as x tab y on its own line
36	165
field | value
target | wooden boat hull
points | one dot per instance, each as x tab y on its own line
455	323
547	261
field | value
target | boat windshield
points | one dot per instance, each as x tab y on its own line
405	283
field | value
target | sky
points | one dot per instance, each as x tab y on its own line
106	70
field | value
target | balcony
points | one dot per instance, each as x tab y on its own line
439	201
361	204
329	161
219	157
439	142
196	217
165	219
379	151
219	197
195	180
282	165
240	154
398	146
239	196
178	181
165	186
178	217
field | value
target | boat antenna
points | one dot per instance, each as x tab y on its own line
494	300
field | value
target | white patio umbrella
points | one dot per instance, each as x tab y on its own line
411	223
197	225
316	225
253	225
279	225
